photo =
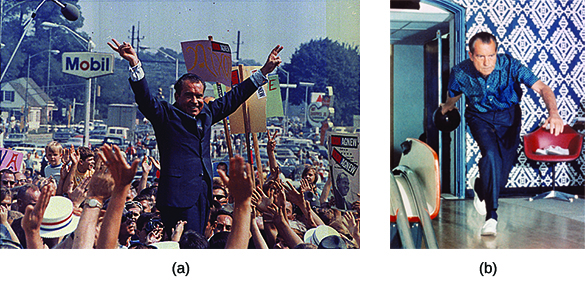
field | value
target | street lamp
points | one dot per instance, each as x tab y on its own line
70	12
54	52
306	85
90	45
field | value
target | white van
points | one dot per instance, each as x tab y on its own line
121	132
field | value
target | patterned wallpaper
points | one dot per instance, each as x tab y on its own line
548	36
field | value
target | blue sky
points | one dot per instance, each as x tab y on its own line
262	23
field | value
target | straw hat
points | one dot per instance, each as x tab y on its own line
317	234
59	219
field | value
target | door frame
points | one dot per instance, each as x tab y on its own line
459	148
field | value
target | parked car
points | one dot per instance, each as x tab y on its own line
282	154
120	142
62	135
98	132
14	139
75	141
96	140
121	132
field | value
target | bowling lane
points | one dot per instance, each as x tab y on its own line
519	227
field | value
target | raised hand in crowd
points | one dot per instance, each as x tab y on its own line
260	201
311	219
272	163
241	186
98	187
353	225
122	174
279	219
146	165
178	231
79	193
4	221
33	215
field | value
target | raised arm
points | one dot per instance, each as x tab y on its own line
33	215
241	187
66	179
273	60
99	188
122	174
126	51
270	146
146	167
548	96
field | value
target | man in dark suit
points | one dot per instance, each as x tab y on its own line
183	133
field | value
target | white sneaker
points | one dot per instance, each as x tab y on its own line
477	203
557	150
540	151
489	228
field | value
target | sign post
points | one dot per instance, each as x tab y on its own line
87	65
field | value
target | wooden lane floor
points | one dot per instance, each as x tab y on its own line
520	225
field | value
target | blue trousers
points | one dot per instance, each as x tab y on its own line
196	216
497	134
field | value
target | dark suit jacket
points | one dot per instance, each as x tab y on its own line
185	157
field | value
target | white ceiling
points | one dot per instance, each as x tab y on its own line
416	27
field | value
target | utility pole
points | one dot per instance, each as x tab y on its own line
137	31
238	48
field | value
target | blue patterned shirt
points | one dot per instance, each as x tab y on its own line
499	91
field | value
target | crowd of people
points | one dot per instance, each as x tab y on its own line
83	198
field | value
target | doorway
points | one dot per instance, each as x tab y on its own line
425	44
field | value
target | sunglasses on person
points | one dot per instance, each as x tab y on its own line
130	217
6	182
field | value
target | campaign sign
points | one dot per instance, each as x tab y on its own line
10	159
210	60
88	64
344	155
274	100
256	106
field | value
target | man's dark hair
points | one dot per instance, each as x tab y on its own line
144	218
187	77
193	240
84	153
149	191
23	189
215	214
218	240
6	170
485	38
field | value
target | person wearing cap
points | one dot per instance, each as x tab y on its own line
491	85
183	132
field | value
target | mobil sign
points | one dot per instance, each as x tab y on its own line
87	64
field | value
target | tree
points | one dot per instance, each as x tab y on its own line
327	63
62	88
